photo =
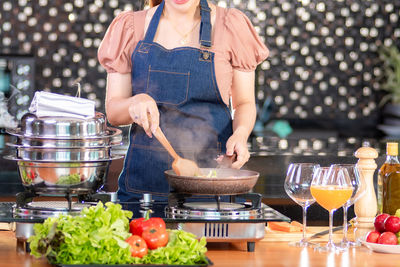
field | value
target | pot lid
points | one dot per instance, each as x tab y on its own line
62	127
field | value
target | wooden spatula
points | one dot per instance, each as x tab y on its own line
181	166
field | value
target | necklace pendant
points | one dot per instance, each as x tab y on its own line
183	41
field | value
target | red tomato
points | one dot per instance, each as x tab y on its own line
138	246
31	174
155	237
137	226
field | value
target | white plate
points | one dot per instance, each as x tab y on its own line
395	249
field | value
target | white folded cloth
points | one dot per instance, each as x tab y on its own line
51	104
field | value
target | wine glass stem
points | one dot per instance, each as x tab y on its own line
330	242
345	207
304	221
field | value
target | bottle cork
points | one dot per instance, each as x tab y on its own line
392	149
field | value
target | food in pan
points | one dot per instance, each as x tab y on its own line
28	176
51	173
211	174
69	179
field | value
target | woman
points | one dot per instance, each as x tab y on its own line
177	65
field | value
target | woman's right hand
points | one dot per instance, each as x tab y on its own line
144	112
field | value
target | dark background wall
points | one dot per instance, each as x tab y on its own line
322	71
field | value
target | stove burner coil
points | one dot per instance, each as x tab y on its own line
45	209
184	213
222	206
57	205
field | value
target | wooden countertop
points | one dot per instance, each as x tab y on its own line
267	253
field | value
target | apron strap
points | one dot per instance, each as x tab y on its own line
205	26
152	29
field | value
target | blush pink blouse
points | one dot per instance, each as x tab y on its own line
235	43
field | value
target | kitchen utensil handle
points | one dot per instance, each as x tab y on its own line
227	161
164	141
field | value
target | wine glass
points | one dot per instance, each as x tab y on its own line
331	188
359	187
297	186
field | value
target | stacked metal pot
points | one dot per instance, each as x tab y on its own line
63	155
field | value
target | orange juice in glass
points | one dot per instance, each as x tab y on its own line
331	197
331	187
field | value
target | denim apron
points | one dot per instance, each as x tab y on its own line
192	114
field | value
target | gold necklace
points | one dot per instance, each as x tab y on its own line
184	37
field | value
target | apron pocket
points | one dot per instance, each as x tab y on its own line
168	87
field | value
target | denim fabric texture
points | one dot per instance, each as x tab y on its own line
192	114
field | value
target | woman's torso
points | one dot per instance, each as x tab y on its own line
223	68
235	43
194	118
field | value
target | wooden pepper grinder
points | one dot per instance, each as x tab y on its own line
366	207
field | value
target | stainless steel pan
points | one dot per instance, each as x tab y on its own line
226	182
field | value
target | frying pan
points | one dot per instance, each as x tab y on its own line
227	182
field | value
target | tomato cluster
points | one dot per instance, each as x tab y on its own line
147	233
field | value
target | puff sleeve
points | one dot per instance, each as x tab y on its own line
117	46
246	48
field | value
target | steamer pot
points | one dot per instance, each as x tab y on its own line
63	155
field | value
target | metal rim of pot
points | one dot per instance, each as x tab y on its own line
113	139
110	132
62	154
112	157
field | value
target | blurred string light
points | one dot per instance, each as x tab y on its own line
306	38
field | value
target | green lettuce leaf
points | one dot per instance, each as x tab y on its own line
97	236
183	248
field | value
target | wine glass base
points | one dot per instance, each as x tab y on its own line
330	248
347	244
303	244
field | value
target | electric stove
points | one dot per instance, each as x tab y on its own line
218	218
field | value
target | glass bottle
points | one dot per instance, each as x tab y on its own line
388	170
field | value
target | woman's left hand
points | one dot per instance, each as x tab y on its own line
237	144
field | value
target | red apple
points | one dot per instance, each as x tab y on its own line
373	236
392	224
387	238
379	222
